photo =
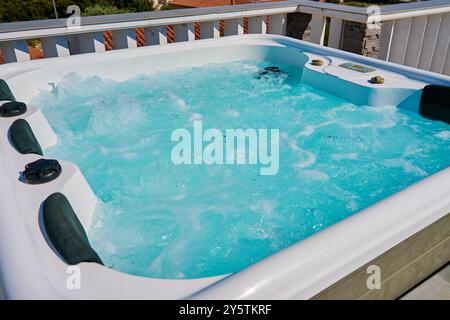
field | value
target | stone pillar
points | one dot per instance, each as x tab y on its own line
298	25
357	38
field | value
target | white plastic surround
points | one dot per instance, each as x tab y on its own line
30	268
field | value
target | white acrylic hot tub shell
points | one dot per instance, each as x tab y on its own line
29	268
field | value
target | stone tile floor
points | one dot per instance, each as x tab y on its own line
436	287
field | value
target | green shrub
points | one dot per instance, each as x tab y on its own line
21	10
99	10
134	5
357	4
167	7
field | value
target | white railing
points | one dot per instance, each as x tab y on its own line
414	34
417	35
58	40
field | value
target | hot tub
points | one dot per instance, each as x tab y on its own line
277	253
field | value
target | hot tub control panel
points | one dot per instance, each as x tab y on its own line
356	67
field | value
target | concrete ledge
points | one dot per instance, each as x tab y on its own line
402	267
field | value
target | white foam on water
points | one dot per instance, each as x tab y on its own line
195	117
313	174
160	220
232	113
180	103
310	129
444	135
407	166
264	206
346	156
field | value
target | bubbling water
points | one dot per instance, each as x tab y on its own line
157	219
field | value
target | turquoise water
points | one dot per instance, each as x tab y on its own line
157	219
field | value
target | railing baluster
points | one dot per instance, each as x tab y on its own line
74	45
257	25
317	29
429	41
124	38
55	47
334	38
386	39
209	29
400	39
15	51
233	27
155	35
277	24
91	42
415	41
442	43
184	32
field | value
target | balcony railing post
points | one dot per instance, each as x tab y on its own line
184	32
125	38
73	43
317	29
55	47
209	29
233	27
277	24
155	35
335	35
91	42
15	51
257	25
